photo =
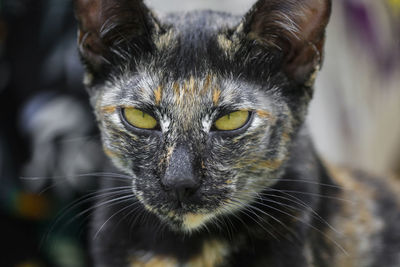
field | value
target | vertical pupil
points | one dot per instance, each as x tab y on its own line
143	114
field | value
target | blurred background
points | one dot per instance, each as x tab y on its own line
50	154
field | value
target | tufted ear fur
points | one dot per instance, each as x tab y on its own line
296	27
110	28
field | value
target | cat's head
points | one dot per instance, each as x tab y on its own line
200	108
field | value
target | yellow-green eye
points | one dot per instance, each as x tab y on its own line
139	119
232	121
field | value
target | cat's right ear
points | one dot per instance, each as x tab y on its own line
296	28
110	29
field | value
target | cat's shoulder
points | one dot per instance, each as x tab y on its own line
366	219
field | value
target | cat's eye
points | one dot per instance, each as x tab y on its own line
232	121
139	118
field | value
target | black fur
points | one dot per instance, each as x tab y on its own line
270	200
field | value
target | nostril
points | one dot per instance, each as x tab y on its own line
185	192
177	183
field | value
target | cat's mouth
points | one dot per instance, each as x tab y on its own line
181	216
188	209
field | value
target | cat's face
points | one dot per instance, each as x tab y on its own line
202	115
228	166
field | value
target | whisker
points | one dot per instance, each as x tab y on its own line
113	201
91	196
115	214
128	214
307	182
226	210
273	218
302	204
79	138
231	227
80	201
245	210
98	174
56	183
309	194
219	223
53	185
307	224
135	219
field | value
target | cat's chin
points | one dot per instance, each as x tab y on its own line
181	220
188	222
195	221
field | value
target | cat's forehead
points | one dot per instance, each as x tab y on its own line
189	43
200	21
185	95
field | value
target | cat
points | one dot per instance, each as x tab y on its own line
204	111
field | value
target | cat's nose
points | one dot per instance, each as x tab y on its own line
180	177
184	188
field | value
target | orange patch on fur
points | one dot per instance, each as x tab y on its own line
207	84
109	153
158	95
216	96
264	114
286	137
156	261
212	254
177	91
258	164
194	220
203	166
272	164
169	153
109	109
192	85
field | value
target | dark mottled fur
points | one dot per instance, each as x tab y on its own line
262	195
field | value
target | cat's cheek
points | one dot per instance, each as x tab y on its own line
116	158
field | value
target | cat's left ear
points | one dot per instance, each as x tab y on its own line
296	28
